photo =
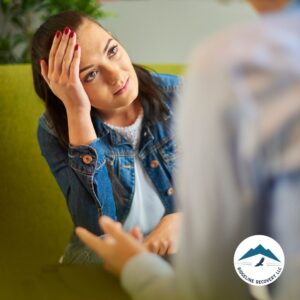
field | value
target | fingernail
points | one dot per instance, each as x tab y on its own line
76	47
66	31
40	60
71	34
57	34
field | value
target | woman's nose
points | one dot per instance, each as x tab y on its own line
112	74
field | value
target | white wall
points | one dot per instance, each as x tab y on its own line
165	31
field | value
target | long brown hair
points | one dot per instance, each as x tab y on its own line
150	93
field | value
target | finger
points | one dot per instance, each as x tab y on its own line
109	239
67	59
92	241
119	224
74	67
108	267
53	50
172	248
136	233
152	246
111	227
163	248
60	52
44	70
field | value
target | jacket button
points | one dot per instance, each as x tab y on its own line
87	159
170	191
154	164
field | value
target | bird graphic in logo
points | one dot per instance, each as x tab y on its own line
260	263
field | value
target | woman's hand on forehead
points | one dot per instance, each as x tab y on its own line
62	71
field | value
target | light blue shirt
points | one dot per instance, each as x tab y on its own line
239	169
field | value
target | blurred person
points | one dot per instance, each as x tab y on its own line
239	170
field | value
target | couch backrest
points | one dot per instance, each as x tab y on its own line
34	222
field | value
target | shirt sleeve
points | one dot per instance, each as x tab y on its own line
148	276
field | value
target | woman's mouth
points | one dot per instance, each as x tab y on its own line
123	89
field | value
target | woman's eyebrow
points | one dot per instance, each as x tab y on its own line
105	49
85	68
107	45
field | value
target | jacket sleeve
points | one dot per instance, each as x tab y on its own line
83	178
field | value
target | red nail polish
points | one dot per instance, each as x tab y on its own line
76	47
71	34
57	34
66	31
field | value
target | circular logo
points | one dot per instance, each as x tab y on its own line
259	260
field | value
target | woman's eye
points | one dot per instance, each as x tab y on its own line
113	50
90	76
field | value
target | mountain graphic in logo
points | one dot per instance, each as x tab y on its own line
259	250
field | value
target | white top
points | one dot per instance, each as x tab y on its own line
146	209
240	104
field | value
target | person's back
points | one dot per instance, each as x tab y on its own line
239	168
244	88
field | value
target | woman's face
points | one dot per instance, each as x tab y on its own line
106	71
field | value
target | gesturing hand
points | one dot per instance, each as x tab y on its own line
163	240
116	248
62	71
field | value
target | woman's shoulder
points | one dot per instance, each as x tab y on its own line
167	82
45	125
170	85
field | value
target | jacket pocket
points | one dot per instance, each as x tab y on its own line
167	152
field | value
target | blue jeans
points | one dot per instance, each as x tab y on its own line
77	253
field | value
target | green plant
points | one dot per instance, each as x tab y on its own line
20	18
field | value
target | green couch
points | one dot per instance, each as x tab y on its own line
34	222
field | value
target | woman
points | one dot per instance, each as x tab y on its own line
107	131
241	179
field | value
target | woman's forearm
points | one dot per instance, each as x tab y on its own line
81	128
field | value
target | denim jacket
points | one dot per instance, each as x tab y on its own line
84	173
